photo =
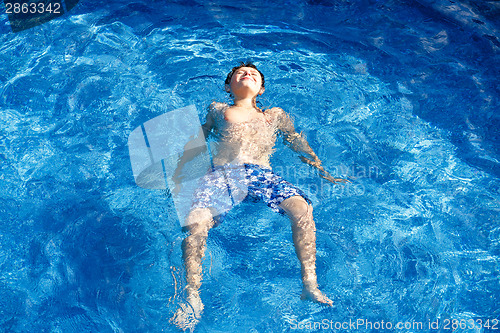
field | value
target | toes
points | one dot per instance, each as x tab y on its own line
316	296
328	301
184	318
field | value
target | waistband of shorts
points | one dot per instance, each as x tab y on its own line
239	166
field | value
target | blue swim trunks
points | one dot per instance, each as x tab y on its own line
225	186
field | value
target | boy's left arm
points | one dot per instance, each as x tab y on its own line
298	143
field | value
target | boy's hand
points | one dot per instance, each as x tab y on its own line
322	172
325	175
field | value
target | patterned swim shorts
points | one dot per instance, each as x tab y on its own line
225	186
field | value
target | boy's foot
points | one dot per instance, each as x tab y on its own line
188	314
315	295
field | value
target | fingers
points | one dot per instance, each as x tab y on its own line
335	180
323	173
327	176
340	180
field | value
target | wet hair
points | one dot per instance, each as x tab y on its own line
243	64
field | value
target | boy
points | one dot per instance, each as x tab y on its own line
245	138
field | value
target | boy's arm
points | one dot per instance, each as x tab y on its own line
298	143
193	147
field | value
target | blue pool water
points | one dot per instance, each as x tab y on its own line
401	96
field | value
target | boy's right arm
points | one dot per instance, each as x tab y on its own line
195	146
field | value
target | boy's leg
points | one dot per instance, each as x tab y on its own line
198	223
304	239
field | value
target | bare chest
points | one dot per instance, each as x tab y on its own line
236	115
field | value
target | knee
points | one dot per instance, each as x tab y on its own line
297	208
199	221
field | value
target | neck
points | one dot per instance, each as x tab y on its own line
247	103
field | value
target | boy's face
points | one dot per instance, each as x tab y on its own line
246	81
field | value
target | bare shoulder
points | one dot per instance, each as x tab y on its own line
215	115
281	117
215	110
276	112
275	109
216	106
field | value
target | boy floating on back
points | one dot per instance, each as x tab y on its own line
245	138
